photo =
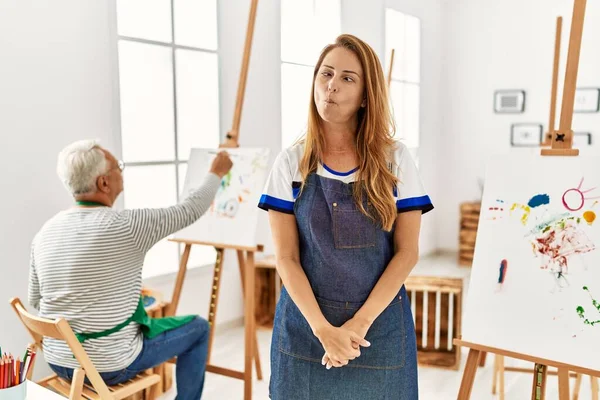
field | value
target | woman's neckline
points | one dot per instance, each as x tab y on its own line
338	173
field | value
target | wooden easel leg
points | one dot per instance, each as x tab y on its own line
594	387
501	375
563	384
172	308
249	319
214	300
482	358
538	391
577	386
242	263
466	385
495	375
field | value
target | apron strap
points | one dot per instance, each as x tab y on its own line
138	316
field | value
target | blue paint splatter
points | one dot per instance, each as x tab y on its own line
503	269
539	200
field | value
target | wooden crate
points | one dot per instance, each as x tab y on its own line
469	221
268	286
165	370
437	306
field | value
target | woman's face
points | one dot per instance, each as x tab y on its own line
339	86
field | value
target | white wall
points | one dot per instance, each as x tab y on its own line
55	87
367	21
490	45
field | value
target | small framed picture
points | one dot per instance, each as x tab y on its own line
526	135
582	139
509	101
587	100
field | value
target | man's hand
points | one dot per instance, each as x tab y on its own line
221	164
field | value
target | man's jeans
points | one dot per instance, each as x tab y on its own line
189	343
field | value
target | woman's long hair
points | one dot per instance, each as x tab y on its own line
374	137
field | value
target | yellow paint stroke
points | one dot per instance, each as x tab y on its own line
533	249
526	211
589	217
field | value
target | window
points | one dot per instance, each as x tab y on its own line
306	27
169	99
403	34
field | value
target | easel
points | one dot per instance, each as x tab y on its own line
499	374
561	146
245	254
499	368
247	271
389	76
548	136
562	140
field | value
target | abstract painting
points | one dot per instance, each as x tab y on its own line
232	216
535	281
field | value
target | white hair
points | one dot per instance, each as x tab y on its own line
80	164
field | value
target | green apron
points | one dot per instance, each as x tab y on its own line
151	327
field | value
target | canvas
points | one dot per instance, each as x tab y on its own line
535	283
232	217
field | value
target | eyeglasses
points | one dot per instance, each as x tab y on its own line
121	165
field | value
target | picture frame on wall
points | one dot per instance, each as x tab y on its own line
587	100
582	139
509	101
526	135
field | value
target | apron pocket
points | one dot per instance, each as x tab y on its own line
352	229
296	338
387	334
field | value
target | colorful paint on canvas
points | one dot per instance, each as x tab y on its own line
539	214
233	216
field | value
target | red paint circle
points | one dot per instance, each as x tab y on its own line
565	202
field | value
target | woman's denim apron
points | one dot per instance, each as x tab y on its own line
343	254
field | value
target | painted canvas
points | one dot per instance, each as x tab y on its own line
535	283
232	217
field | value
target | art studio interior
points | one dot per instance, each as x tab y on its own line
300	199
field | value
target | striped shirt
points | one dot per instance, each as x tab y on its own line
86	267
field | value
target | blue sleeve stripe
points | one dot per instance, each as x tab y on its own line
413	202
267	202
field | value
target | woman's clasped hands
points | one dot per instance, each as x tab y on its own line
342	344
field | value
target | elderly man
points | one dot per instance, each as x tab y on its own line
86	267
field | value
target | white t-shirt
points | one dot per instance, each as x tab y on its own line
283	185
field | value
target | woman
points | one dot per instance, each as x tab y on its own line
346	205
